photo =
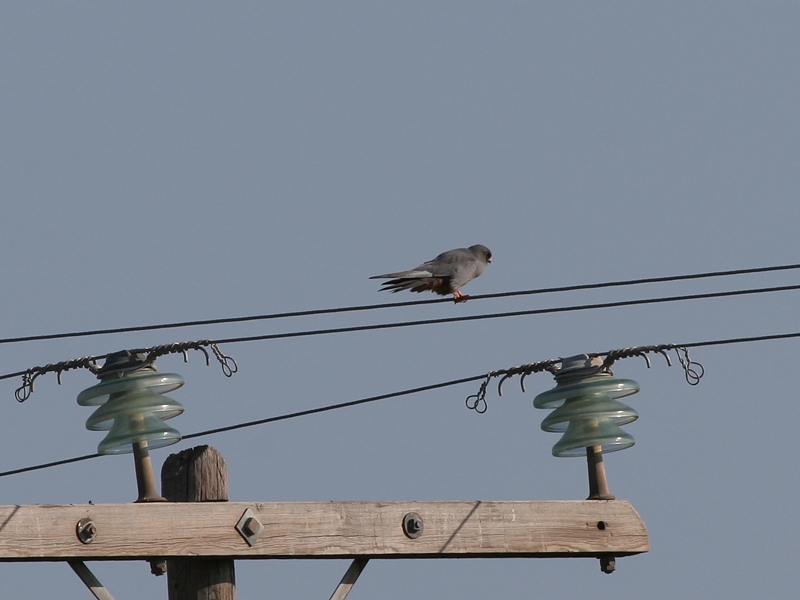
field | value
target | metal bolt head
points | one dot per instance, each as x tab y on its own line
608	564
86	530
249	527
252	526
412	525
158	567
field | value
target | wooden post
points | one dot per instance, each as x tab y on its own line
198	475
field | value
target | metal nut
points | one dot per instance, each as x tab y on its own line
252	526
608	564
86	530
412	525
249	527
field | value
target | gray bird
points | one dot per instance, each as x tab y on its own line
443	275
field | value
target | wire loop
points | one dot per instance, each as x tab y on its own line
693	371
477	402
24	391
229	366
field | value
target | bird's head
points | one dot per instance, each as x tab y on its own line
482	251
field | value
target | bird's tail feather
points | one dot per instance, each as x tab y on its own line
404	275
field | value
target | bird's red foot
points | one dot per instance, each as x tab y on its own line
459	297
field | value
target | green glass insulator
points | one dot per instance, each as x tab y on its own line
160	383
584	433
141	428
133	408
589	415
591	406
613	387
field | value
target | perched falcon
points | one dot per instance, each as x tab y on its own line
443	275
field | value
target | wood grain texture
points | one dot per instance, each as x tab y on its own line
198	474
475	529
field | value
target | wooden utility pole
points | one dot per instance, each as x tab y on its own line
199	533
198	475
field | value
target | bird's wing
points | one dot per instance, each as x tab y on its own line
415	280
459	266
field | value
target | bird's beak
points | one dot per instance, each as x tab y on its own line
489	259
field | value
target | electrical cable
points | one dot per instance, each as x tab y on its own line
56	463
284	417
313	411
742	340
324	311
518	313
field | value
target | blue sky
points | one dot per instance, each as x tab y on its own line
171	162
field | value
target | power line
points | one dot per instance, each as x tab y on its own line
321	409
517	313
324	311
302	413
743	340
284	417
56	463
396	325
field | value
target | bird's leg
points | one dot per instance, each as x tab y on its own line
459	297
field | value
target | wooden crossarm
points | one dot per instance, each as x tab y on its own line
473	529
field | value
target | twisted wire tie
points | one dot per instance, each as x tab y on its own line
477	402
24	392
693	371
228	364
